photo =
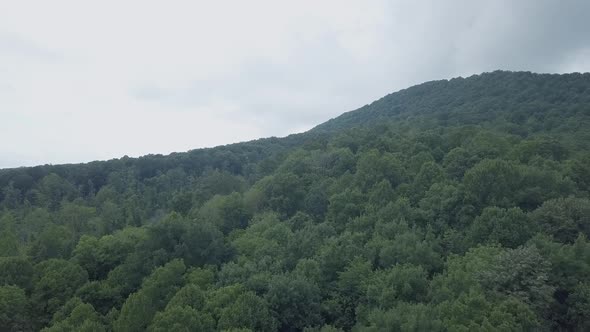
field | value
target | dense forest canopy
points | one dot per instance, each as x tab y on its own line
454	205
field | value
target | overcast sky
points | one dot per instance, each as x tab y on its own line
87	80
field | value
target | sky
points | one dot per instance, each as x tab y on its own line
94	80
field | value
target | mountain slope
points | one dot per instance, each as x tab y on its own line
519	101
512	96
448	206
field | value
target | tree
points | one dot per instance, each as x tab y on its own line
136	314
248	311
545	148
472	311
508	227
350	293
12	196
188	296
100	255
381	194
570	267
198	242
178	318
345	206
283	192
457	161
86	254
443	206
203	244
139	309
77	218
492	182
55	281
564	218
16	270
8	243
295	301
226	212
429	174
53	242
579	171
374	167
53	189
405	282
200	277
316	201
521	273
404	317
14	309
76	316
579	307
396	243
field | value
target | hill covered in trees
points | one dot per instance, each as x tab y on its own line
454	205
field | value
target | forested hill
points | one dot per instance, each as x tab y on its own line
512	97
459	205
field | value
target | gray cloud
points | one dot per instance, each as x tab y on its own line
205	76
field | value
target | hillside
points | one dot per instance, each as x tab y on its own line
453	205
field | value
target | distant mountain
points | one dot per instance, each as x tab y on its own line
511	96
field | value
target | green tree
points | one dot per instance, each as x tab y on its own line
16	270
55	281
430	173
564	218
350	293
76	316
53	189
521	273
14	309
136	313
508	227
178	318
579	307
283	192
53	242
406	282
404	317
492	182
457	162
374	167
201	277
77	218
472	311
295	301
226	212
156	291
248	311
190	295
9	243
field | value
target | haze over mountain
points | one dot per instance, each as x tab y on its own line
170	77
452	205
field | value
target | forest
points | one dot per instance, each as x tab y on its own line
454	205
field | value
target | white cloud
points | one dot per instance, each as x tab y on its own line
83	80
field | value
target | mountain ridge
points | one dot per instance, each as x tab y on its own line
343	121
388	102
410	105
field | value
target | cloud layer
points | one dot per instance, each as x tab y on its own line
85	81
